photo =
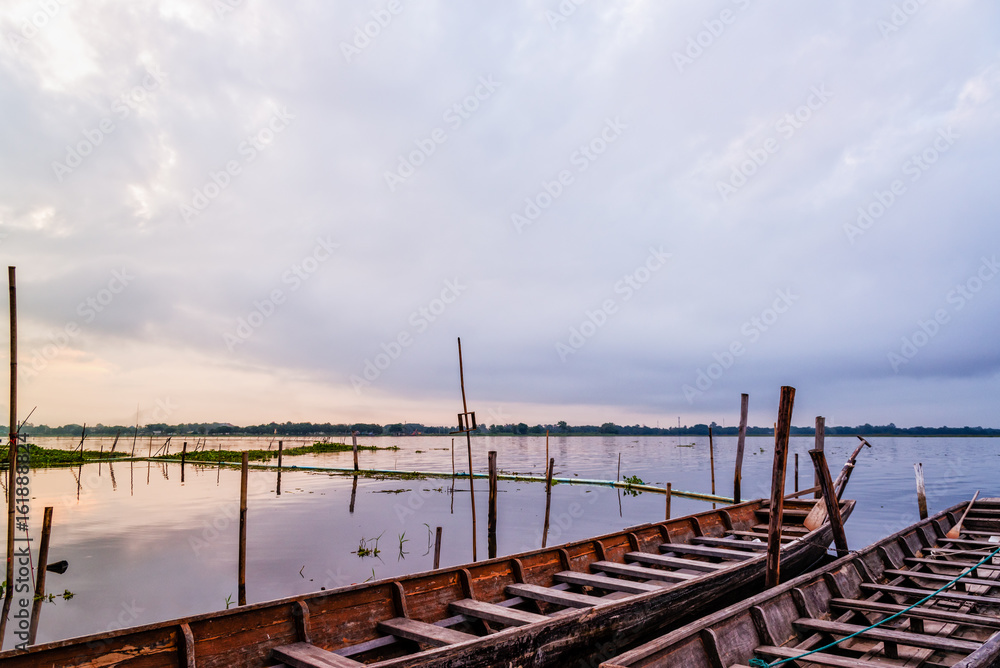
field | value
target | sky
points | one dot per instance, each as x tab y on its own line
245	211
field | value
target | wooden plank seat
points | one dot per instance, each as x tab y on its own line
970	542
939	577
819	658
549	595
759	534
604	582
497	614
641	572
890	635
673	562
730	543
793	530
919	612
960	564
786	513
304	655
422	632
919	593
703	551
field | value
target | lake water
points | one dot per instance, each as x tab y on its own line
144	547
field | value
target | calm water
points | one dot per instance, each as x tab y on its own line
145	547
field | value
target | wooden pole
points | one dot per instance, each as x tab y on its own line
796	472
117	436
278	484
740	443
820	441
781	432
43	561
492	514
242	584
12	454
354	442
135	432
711	459
669	494
354	494
453	459
832	503
918	468
184	452
548	500
437	549
468	442
546	446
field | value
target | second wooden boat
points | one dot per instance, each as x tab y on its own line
895	603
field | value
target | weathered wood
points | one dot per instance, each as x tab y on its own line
437	548
956	530
242	574
12	440
830	499
43	561
549	595
604	582
304	655
495	613
673	562
711	458
354	448
939	577
819	444
491	516
669	493
185	650
641	571
702	551
740	443
468	443
422	632
918	469
819	658
889	635
730	543
772	574
919	612
919	592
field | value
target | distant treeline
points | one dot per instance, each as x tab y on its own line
520	429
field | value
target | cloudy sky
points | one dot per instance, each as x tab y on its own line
629	211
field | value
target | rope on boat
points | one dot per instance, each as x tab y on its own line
761	663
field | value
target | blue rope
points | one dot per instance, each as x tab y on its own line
761	663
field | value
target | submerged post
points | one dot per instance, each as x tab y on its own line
437	549
492	514
781	432
354	442
832	503
711	460
820	440
184	452
669	494
741	441
548	500
278	484
43	561
466	423
242	592
796	471
354	494
918	468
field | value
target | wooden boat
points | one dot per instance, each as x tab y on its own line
957	627
541	608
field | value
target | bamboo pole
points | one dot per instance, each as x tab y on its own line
437	548
468	441
740	443
135	432
184	452
669	494
781	432
492	513
711	458
918	468
43	561
820	441
12	454
242	576
548	500
832	503
278	485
